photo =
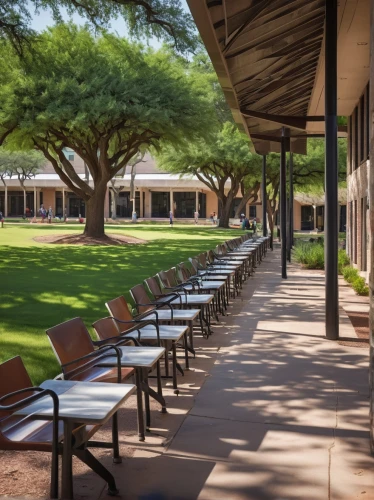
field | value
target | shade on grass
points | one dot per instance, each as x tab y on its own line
42	285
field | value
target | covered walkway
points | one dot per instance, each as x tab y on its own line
272	409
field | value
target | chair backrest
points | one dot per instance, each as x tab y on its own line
70	340
221	250
172	276
118	308
153	286
106	328
139	295
202	258
163	277
194	264
210	256
13	377
183	272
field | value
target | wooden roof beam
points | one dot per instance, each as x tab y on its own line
287	121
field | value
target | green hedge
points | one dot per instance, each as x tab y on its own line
311	255
352	277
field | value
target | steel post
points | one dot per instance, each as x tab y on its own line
331	173
291	201
283	201
264	197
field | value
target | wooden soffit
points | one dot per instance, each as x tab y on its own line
266	54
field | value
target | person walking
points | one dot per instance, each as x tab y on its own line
42	212
50	215
254	226
2	219
171	218
214	218
196	217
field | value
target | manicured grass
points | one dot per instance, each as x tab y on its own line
42	285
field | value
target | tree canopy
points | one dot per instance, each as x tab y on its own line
164	19
20	164
226	156
104	98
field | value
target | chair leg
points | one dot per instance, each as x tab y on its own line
139	397
54	473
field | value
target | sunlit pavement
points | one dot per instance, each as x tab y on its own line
270	409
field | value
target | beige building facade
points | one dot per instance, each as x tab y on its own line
156	193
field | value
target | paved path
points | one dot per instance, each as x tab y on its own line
272	410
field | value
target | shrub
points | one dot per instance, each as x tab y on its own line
350	274
358	283
359	286
343	261
310	255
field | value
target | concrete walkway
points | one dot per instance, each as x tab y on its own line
272	410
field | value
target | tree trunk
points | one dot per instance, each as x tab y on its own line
272	213
249	196
226	208
95	213
24	200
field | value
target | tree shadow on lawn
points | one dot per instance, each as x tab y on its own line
202	231
44	286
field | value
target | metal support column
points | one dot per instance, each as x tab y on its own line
288	245
291	202
282	204
264	198
331	173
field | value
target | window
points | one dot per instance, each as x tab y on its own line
350	143
71	157
362	128
202	205
367	118
252	212
354	242
355	138
364	233
184	204
160	204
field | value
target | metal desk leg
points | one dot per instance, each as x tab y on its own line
186	360
116	456
175	382
146	402
67	466
190	334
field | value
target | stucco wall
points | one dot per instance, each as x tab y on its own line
297	216
211	203
49	199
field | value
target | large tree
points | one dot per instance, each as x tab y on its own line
102	97
222	163
164	19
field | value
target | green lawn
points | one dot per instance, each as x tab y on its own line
43	285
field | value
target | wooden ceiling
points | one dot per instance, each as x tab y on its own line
266	54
